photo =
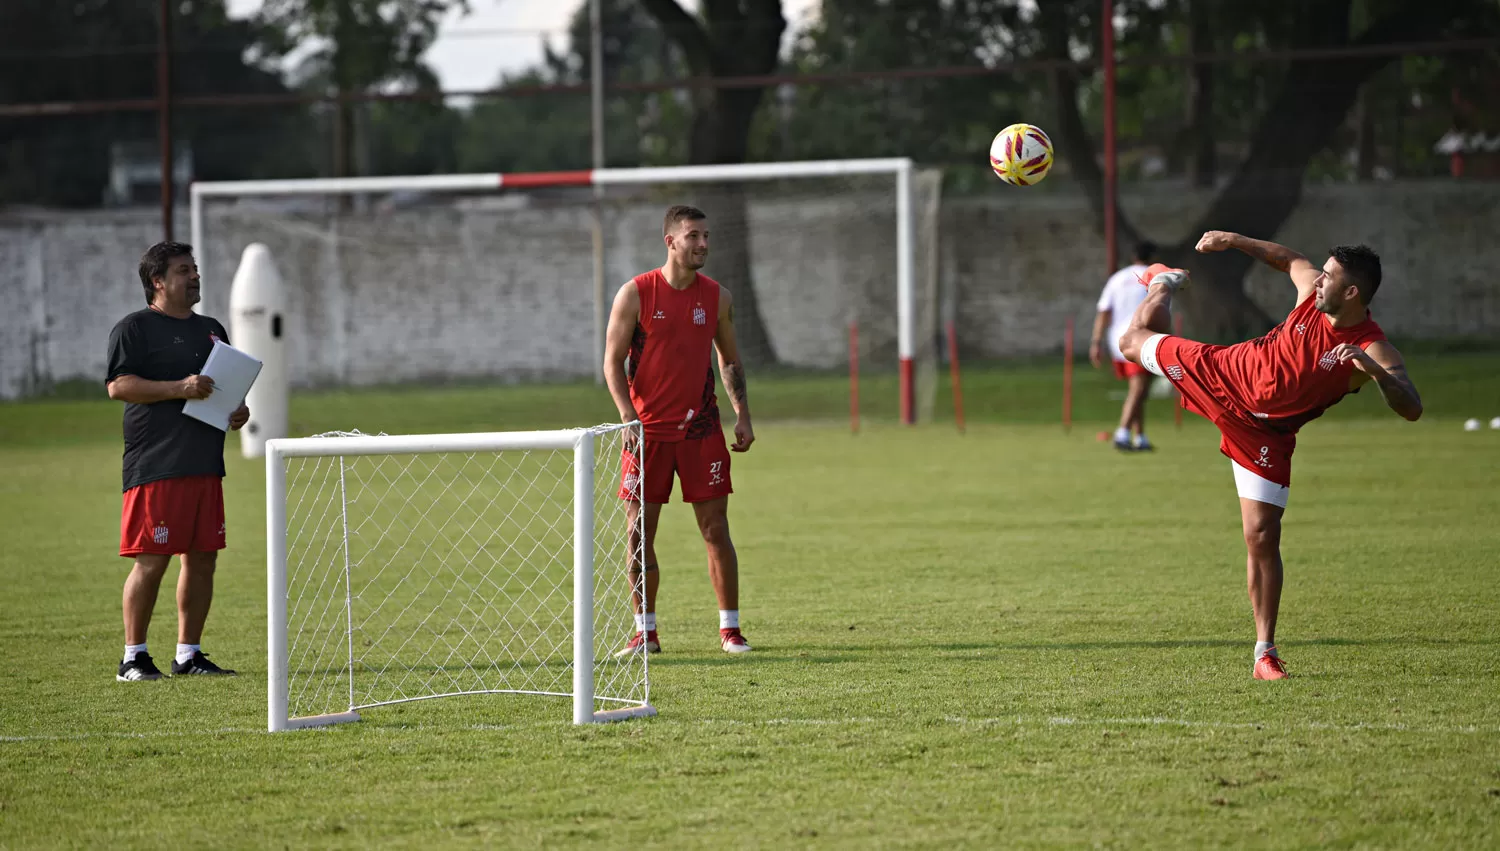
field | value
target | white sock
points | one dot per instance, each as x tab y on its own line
1265	648
132	650
1172	280
186	651
1122	435
645	622
729	619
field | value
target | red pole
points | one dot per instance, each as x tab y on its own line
853	376
958	392
1068	374
1177	412
1107	59
164	114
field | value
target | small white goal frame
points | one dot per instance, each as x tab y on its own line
900	168
580	441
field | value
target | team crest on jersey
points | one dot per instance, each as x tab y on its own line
700	316
1328	361
1174	372
159	534
632	483
660	314
1301	329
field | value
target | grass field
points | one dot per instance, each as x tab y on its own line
1011	638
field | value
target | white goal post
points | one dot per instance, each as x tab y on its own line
403	568
908	304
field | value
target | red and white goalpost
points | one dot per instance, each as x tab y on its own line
404	280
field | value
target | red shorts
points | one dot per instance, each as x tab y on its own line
701	464
1258	447
1129	369
173	516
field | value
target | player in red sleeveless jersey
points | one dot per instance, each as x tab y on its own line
663	330
1260	392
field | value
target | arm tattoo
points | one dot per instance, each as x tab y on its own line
734	384
1398	390
1278	257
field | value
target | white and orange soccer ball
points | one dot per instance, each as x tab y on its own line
1021	154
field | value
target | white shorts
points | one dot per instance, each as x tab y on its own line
1148	354
1251	486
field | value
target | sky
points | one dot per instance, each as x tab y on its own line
497	36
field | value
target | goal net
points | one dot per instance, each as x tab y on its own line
509	277
403	568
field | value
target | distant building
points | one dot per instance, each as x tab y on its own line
135	173
1472	155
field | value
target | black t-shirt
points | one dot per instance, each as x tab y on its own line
161	443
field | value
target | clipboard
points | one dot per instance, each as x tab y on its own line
233	372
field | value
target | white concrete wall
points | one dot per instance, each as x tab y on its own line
466	292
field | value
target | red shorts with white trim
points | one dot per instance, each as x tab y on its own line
1125	369
702	464
1259	448
173	516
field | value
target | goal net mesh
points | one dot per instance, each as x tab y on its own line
417	576
500	284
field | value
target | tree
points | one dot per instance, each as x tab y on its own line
731	38
92	51
1308	106
946	119
363	44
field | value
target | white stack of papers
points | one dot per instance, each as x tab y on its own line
233	371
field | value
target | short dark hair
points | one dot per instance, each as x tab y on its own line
1145	251
155	261
1362	265
679	212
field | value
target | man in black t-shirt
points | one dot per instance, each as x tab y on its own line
174	464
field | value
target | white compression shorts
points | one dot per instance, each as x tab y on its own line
1249	484
1252	486
1148	354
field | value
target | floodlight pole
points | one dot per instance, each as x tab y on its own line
1107	59
164	113
596	110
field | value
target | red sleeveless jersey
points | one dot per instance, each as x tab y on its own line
1290	377
671	358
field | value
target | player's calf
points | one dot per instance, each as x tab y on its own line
1154	315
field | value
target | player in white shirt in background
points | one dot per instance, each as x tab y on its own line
1122	293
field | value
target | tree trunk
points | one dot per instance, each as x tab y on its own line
1202	156
720	134
1364	142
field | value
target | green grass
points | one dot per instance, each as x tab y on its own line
1009	638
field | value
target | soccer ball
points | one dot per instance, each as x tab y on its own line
1021	154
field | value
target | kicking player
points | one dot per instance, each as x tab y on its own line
668	322
1261	392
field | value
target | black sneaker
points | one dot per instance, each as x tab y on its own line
199	664
139	668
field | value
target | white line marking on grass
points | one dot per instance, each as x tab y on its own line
1064	721
960	721
107	734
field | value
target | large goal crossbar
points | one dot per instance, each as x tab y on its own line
581	442
899	167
